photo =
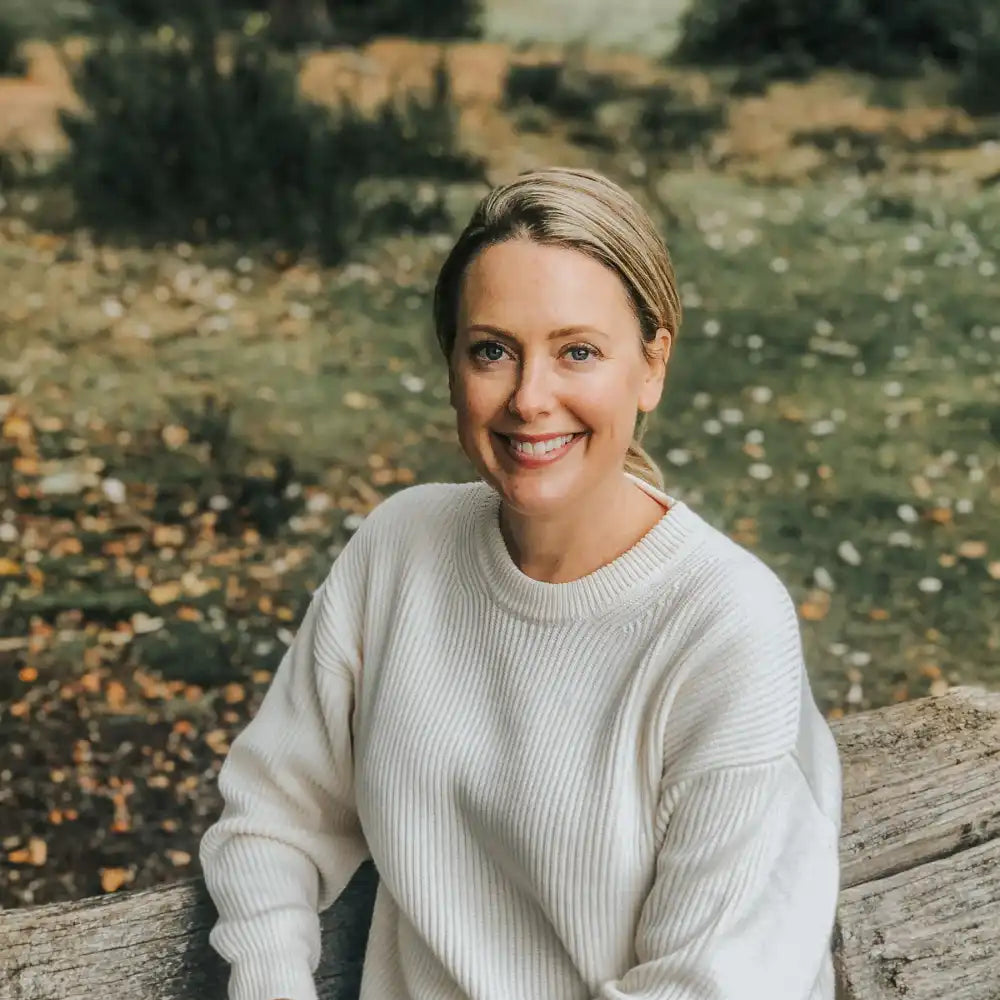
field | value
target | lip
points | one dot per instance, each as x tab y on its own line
536	461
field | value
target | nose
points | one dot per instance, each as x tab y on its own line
533	393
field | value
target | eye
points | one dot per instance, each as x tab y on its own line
581	352
487	350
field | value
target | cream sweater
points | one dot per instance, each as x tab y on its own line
618	787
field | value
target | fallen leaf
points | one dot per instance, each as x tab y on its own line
113	879
816	606
168	535
174	436
972	549
234	693
165	593
116	695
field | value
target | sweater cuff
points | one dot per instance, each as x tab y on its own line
281	976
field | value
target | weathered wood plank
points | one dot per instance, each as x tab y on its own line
920	782
920	854
152	944
925	933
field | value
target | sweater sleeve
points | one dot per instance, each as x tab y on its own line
288	839
745	892
744	895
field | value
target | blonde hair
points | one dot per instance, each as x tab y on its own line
584	211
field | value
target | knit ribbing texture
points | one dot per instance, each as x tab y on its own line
609	789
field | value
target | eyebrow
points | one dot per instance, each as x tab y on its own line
562	331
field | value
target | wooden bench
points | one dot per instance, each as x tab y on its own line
919	914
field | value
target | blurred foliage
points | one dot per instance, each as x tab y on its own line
11	36
794	37
565	87
190	134
978	90
152	13
359	20
294	21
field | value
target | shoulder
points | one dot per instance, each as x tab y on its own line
418	521
427	508
408	530
738	697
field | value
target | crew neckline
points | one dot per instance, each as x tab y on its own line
618	585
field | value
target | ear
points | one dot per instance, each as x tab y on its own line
656	370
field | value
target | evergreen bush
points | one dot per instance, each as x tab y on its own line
868	35
358	20
978	89
11	36
172	145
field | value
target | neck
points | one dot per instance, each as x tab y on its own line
569	546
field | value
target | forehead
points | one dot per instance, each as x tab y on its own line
519	284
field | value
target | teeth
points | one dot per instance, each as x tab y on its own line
541	447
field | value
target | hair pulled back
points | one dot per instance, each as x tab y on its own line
580	210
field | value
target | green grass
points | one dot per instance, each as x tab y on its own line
870	355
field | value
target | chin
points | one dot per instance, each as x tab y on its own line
536	494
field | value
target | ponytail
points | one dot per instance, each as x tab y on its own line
637	460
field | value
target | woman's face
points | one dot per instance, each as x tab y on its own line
548	374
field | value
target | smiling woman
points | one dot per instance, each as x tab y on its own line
567	718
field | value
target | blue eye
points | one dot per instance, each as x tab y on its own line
488	350
588	352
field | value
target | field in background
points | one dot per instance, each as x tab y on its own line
188	434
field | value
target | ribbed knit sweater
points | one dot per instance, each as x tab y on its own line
617	787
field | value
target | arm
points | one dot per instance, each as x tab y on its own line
744	894
288	840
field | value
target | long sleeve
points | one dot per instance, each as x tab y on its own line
744	897
745	894
288	840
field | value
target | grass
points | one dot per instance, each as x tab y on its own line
834	380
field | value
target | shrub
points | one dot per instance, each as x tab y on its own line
567	89
174	147
11	36
358	20
977	89
868	35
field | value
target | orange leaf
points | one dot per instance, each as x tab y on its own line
165	593
27	674
234	693
972	549
113	879
9	568
940	515
116	695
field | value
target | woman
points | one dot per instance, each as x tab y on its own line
567	718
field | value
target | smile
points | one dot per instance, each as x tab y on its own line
533	454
